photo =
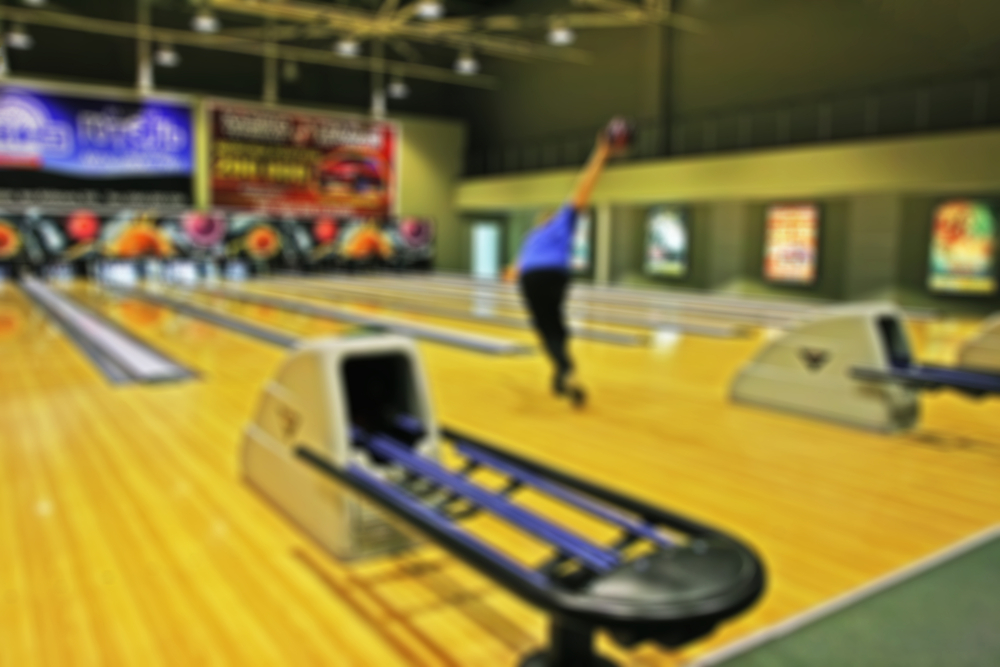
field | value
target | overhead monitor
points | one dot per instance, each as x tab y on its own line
791	244
963	242
668	242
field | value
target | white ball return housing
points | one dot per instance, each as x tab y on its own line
319	392
851	365
808	370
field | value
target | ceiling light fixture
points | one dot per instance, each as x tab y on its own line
561	34
347	47
467	63
19	39
430	10
205	21
398	89
166	56
34	3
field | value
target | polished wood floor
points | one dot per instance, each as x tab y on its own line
128	538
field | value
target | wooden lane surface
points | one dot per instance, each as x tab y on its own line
503	300
362	306
127	537
615	297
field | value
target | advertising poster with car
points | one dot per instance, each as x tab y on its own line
289	163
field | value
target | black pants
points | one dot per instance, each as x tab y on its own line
544	293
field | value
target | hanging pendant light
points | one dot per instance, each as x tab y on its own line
430	10
467	63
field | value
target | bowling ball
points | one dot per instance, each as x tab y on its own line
415	232
204	230
620	133
325	231
262	242
83	226
10	240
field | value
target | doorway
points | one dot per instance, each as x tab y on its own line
487	249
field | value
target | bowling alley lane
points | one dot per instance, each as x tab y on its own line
26	332
360	304
150	463
673	392
197	343
474	312
133	541
135	530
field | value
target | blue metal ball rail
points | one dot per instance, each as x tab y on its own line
672	592
931	378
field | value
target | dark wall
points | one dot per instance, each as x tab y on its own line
842	242
753	54
742	270
542	99
765	50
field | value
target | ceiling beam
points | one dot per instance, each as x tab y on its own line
388	8
650	12
234	44
457	33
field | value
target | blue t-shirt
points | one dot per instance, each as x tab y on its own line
550	246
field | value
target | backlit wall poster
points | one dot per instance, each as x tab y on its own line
38	238
414	240
136	235
10	240
580	262
667	243
963	243
365	241
288	163
791	244
68	151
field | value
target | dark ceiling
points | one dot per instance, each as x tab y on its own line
77	56
125	10
755	52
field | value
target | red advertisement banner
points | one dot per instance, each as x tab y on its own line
290	163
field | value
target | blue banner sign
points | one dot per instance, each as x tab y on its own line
91	138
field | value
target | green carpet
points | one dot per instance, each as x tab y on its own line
946	617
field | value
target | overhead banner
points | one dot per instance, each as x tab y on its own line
57	150
287	163
962	254
791	245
